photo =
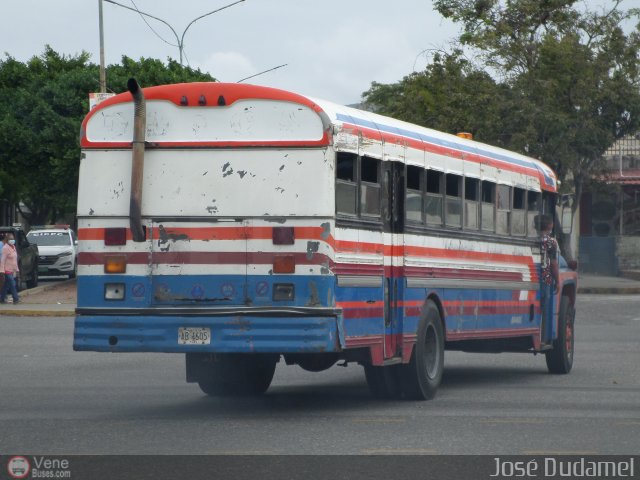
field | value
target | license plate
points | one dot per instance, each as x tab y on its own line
194	336
42	269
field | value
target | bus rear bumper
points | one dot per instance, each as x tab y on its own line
230	334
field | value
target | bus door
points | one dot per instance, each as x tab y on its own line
199	263
393	216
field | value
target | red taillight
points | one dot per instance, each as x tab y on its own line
284	264
283	236
115	236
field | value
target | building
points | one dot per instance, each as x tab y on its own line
610	217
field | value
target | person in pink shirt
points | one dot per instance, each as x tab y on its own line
9	265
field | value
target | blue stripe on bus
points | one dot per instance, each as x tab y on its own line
144	333
159	333
139	291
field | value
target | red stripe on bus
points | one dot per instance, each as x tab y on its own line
203	258
218	233
493	333
345	246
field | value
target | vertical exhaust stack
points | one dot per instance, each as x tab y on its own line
137	160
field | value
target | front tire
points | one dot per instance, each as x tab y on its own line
238	375
74	272
560	358
422	375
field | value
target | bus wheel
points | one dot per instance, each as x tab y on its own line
560	358
422	375
238	375
383	382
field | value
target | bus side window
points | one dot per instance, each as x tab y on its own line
346	186
471	197
370	187
518	220
453	201
488	207
533	209
433	199
503	213
413	202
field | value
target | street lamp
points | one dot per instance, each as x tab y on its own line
179	40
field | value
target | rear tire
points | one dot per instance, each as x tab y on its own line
238	375
422	375
560	358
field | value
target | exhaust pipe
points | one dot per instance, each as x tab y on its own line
137	161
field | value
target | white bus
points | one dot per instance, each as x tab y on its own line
241	225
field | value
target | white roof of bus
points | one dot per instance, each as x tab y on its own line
339	115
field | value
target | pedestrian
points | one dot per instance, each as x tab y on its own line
549	272
9	265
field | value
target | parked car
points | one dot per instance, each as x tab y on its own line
58	246
27	257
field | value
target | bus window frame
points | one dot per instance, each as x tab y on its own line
357	184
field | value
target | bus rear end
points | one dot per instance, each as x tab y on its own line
233	262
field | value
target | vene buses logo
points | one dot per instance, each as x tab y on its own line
18	467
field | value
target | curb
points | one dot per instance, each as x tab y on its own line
37	313
609	291
631	274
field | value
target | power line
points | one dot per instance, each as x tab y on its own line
266	71
149	25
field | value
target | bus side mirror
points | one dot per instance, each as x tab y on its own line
563	212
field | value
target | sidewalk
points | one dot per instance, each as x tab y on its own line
59	299
590	283
50	299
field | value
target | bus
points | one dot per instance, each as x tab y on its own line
244	225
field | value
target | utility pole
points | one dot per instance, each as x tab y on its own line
103	74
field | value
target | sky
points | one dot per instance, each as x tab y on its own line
333	49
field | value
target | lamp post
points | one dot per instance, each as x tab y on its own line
179	39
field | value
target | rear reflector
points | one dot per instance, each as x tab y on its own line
115	236
283	236
284	264
115	264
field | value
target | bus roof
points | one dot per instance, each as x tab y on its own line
264	116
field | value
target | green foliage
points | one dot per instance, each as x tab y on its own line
450	95
568	81
42	104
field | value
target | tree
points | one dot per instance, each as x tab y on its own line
549	79
573	76
42	104
451	95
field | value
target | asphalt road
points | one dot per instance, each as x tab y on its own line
56	401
